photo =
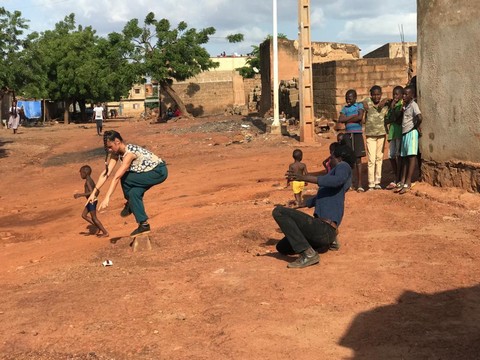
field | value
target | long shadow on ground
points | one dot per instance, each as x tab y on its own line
444	325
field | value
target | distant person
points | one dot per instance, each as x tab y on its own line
307	235
299	168
177	112
376	109
393	127
352	116
140	169
412	119
169	114
91	207
14	118
99	117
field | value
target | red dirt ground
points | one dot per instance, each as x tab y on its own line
404	284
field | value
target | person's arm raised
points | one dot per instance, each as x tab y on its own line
300	177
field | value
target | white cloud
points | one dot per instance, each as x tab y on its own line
366	22
317	17
378	27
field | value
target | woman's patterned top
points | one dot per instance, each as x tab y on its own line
144	160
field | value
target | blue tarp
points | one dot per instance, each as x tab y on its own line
33	109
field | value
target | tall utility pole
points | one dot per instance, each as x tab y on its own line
307	125
276	126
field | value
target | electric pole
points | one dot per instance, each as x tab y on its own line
307	122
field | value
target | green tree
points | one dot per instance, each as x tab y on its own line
252	65
12	26
167	53
72	64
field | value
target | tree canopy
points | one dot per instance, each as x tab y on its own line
167	53
12	26
71	63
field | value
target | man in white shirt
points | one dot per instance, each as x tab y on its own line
98	116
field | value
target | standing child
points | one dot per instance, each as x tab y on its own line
376	110
412	118
85	172
393	127
298	168
352	115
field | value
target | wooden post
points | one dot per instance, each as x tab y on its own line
134	244
307	121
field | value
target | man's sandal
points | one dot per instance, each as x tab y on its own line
405	189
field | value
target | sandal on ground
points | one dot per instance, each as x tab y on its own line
391	186
360	189
405	189
398	188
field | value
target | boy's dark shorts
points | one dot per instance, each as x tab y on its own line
91	206
356	143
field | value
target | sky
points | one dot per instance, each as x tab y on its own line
367	23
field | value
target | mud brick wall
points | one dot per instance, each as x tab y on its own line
458	174
331	81
288	59
448	91
287	68
250	85
412	60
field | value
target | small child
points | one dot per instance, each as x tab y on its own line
300	168
326	162
352	116
85	173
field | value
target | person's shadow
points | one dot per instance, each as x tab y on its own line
443	325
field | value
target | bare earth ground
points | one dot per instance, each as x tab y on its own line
404	284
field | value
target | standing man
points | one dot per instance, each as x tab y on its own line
99	116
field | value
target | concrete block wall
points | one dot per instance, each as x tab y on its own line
209	93
288	62
206	98
331	81
324	90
